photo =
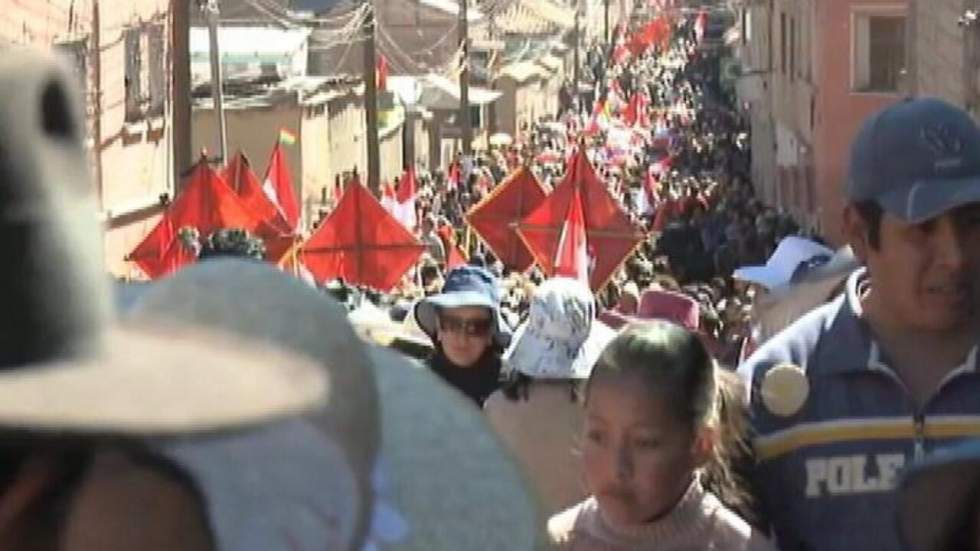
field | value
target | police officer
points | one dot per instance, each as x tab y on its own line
848	395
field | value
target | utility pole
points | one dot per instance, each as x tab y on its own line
217	94
464	80
577	62
181	90
606	5
371	104
491	76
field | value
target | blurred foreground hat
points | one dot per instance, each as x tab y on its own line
64	366
245	477
369	469
937	499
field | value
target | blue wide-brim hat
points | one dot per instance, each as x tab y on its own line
465	286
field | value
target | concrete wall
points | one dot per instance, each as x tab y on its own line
945	54
314	144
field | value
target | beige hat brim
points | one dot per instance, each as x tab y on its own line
447	473
160	380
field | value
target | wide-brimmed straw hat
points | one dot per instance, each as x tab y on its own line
447	473
562	338
64	366
439	480
256	301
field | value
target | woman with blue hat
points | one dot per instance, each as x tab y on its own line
467	331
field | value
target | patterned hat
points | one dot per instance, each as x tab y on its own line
561	338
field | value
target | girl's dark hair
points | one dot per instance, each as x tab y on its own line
676	363
516	386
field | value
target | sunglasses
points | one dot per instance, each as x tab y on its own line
479	327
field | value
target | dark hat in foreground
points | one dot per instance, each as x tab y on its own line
64	365
938	498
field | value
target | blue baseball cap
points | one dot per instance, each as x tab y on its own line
464	286
917	159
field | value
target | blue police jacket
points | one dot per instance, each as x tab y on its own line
826	466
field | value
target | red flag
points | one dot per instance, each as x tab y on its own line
454	257
278	186
238	174
206	204
454	175
650	187
608	228
389	198
405	200
496	217
361	242
406	188
572	259
382	73
700	25
631	115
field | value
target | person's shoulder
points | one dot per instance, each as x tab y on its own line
732	532
563	526
795	343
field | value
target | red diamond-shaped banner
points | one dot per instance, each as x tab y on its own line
496	217
611	236
361	243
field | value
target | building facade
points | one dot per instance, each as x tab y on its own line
121	53
944	42
813	70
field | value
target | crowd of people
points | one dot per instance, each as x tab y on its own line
232	406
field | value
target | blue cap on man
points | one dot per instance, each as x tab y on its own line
917	159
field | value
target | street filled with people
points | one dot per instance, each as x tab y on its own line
591	335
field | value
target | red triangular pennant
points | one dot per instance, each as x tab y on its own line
572	259
496	217
239	175
278	186
361	243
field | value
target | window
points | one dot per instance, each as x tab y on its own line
782	42
879	52
145	79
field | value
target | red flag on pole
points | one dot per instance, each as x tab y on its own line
496	217
572	259
238	174
278	186
206	204
609	231
361	243
454	257
382	73
405	200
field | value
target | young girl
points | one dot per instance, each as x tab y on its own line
662	423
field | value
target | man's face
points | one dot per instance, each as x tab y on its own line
115	504
924	275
